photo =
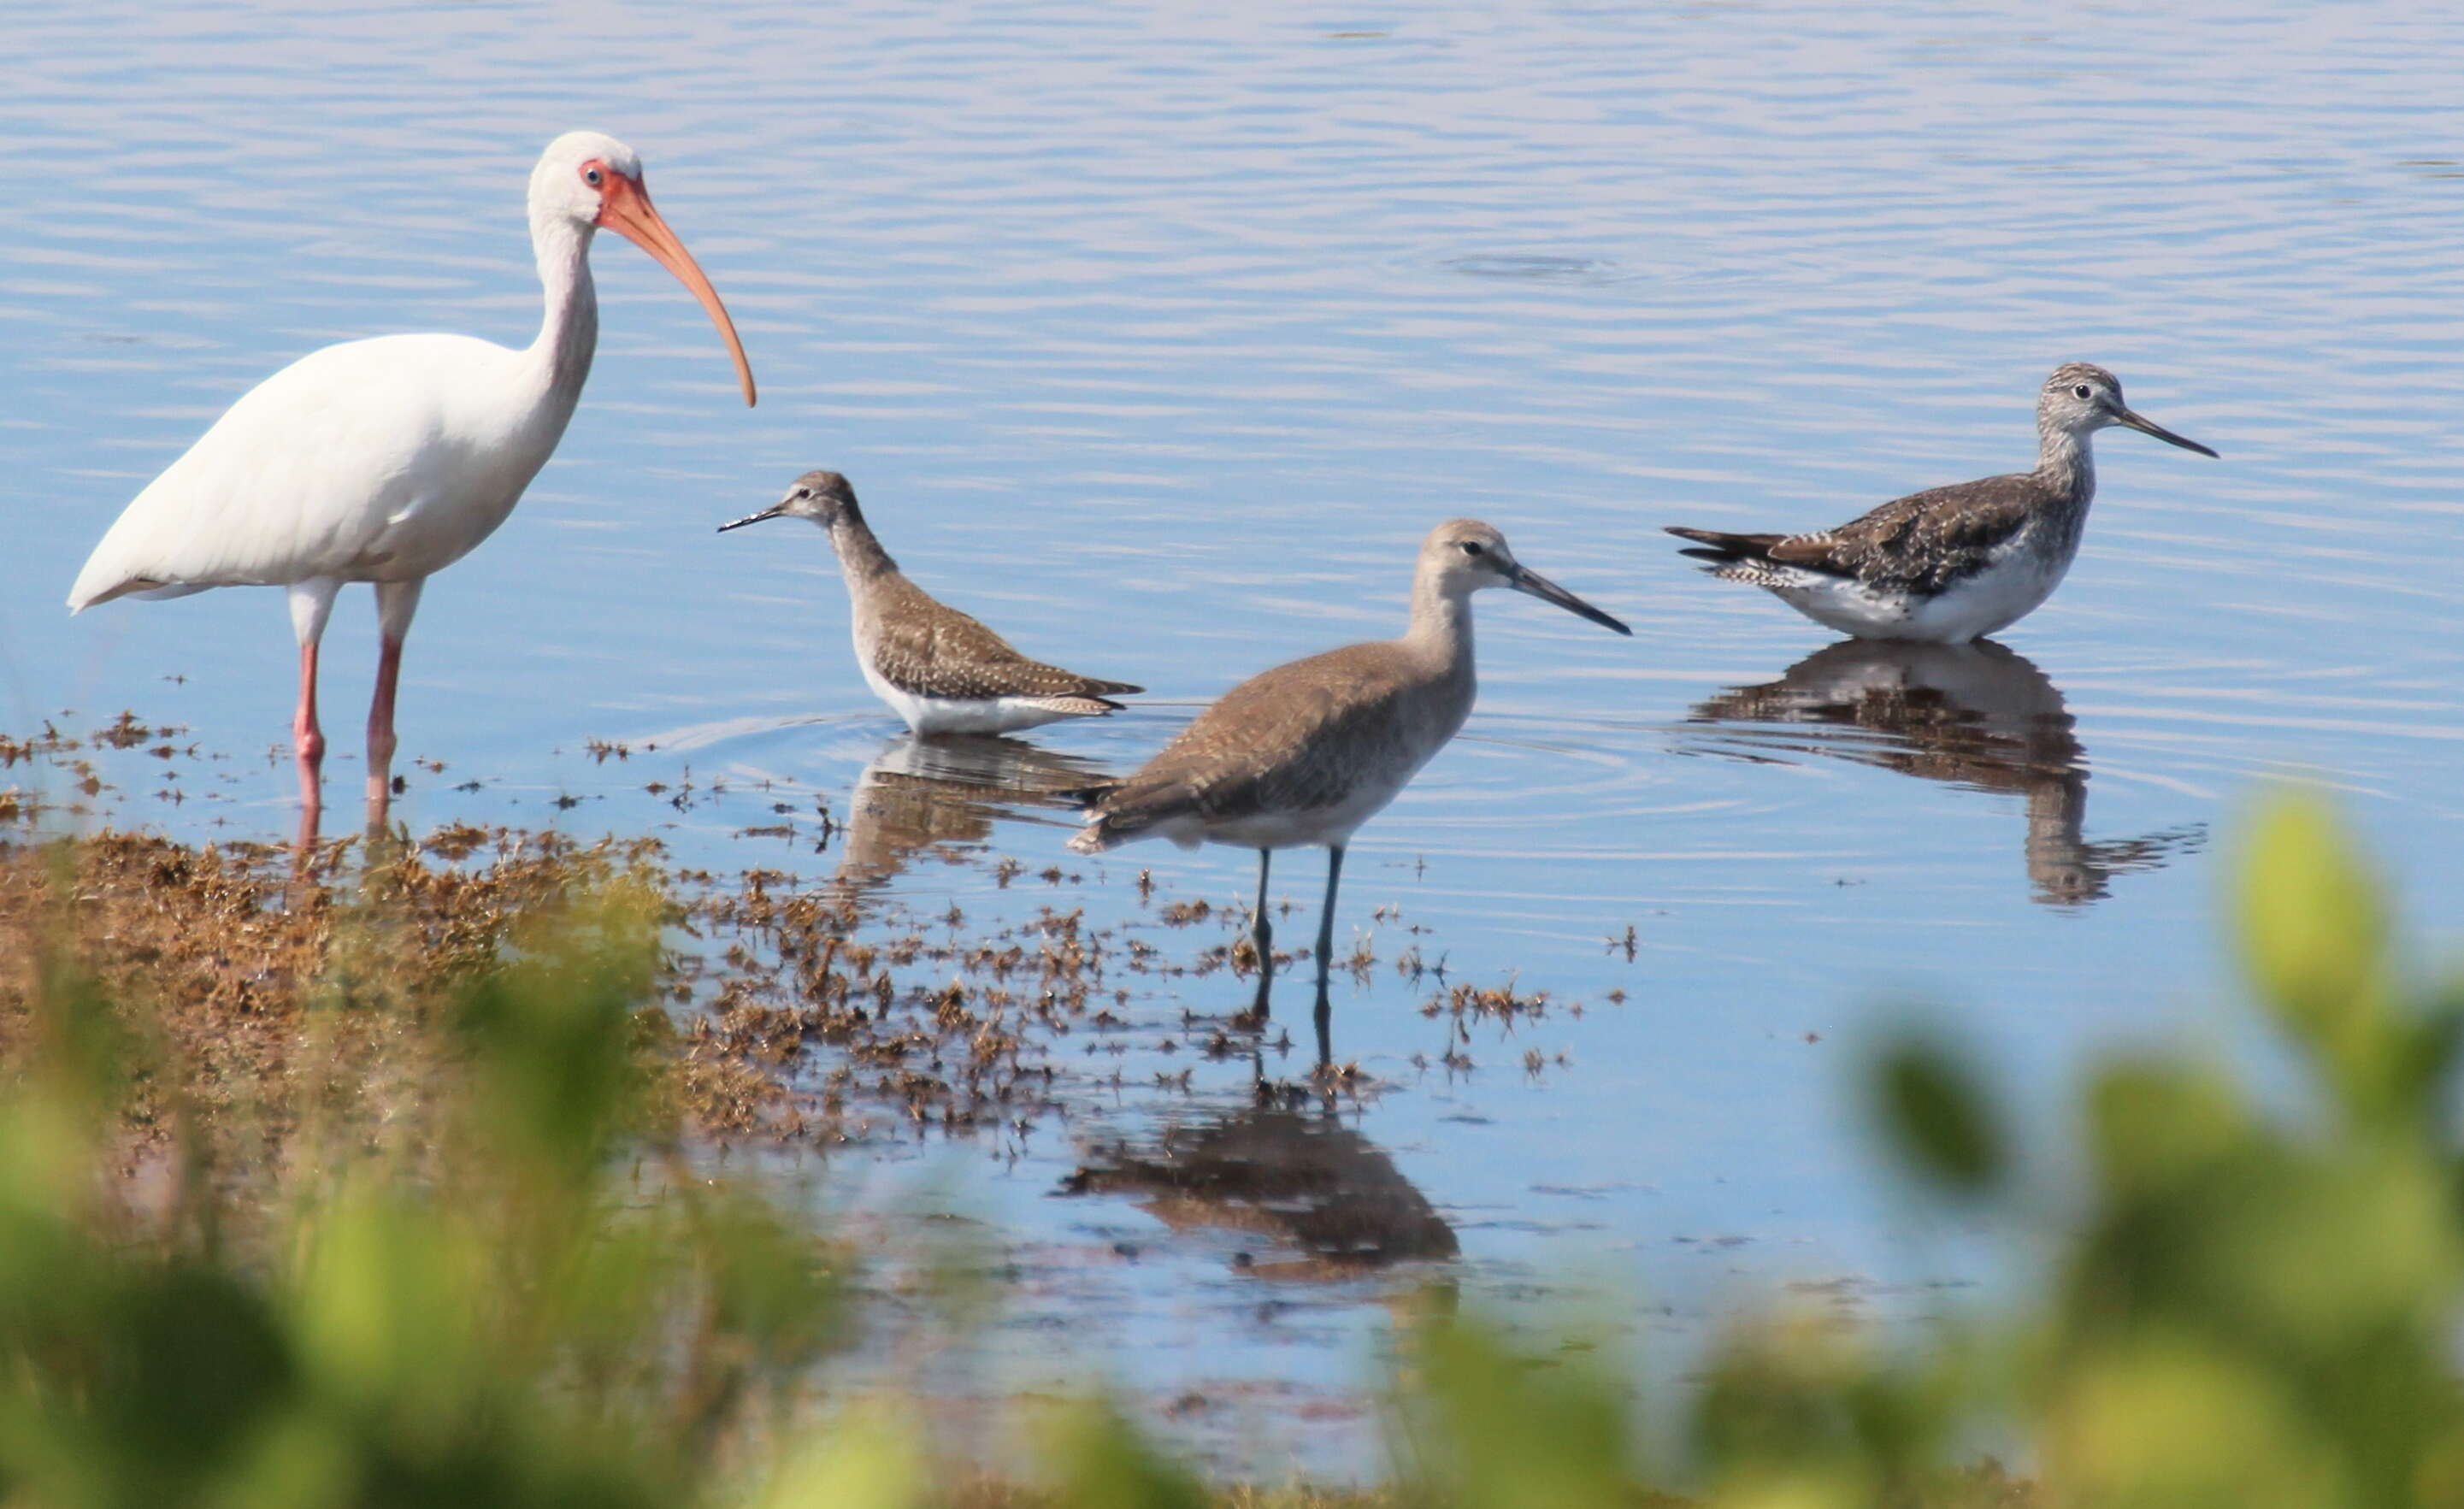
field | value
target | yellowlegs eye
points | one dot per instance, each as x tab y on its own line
2081	391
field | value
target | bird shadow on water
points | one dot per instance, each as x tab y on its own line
1287	1167
915	800
940	799
1979	715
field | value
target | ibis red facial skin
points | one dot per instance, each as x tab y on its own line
385	460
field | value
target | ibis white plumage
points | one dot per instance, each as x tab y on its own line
386	459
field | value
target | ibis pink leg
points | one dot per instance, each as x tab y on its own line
380	739
308	742
396	602
312	602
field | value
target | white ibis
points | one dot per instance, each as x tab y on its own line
386	459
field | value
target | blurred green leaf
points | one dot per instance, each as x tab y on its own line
551	1038
518	1290
1935	1114
2163	1423
2313	933
1096	1461
867	1459
2155	1126
1491	1427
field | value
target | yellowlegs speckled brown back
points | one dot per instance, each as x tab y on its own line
939	668
1952	563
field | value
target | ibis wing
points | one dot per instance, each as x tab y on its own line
414	447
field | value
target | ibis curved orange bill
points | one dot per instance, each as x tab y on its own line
626	210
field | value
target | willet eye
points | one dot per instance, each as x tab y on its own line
2081	391
1471	547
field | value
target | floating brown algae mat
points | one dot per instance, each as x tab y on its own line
773	1016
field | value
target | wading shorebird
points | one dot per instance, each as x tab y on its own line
936	668
1305	752
388	459
1955	563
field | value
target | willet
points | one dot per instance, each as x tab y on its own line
1954	563
936	668
1307	752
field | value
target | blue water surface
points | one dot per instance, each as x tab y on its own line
1157	336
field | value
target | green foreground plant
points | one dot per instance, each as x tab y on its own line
516	1291
515	1296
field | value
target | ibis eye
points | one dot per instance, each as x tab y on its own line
1471	547
592	176
2081	391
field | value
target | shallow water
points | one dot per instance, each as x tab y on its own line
1157	337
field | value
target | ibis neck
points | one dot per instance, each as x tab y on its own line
569	332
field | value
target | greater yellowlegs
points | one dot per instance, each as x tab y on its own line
936	668
1954	563
1307	752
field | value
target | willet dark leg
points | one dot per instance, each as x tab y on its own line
1262	936
1326	952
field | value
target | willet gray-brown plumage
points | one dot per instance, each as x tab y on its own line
1954	563
939	668
1307	752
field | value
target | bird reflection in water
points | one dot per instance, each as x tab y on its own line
940	799
1979	715
1333	1200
